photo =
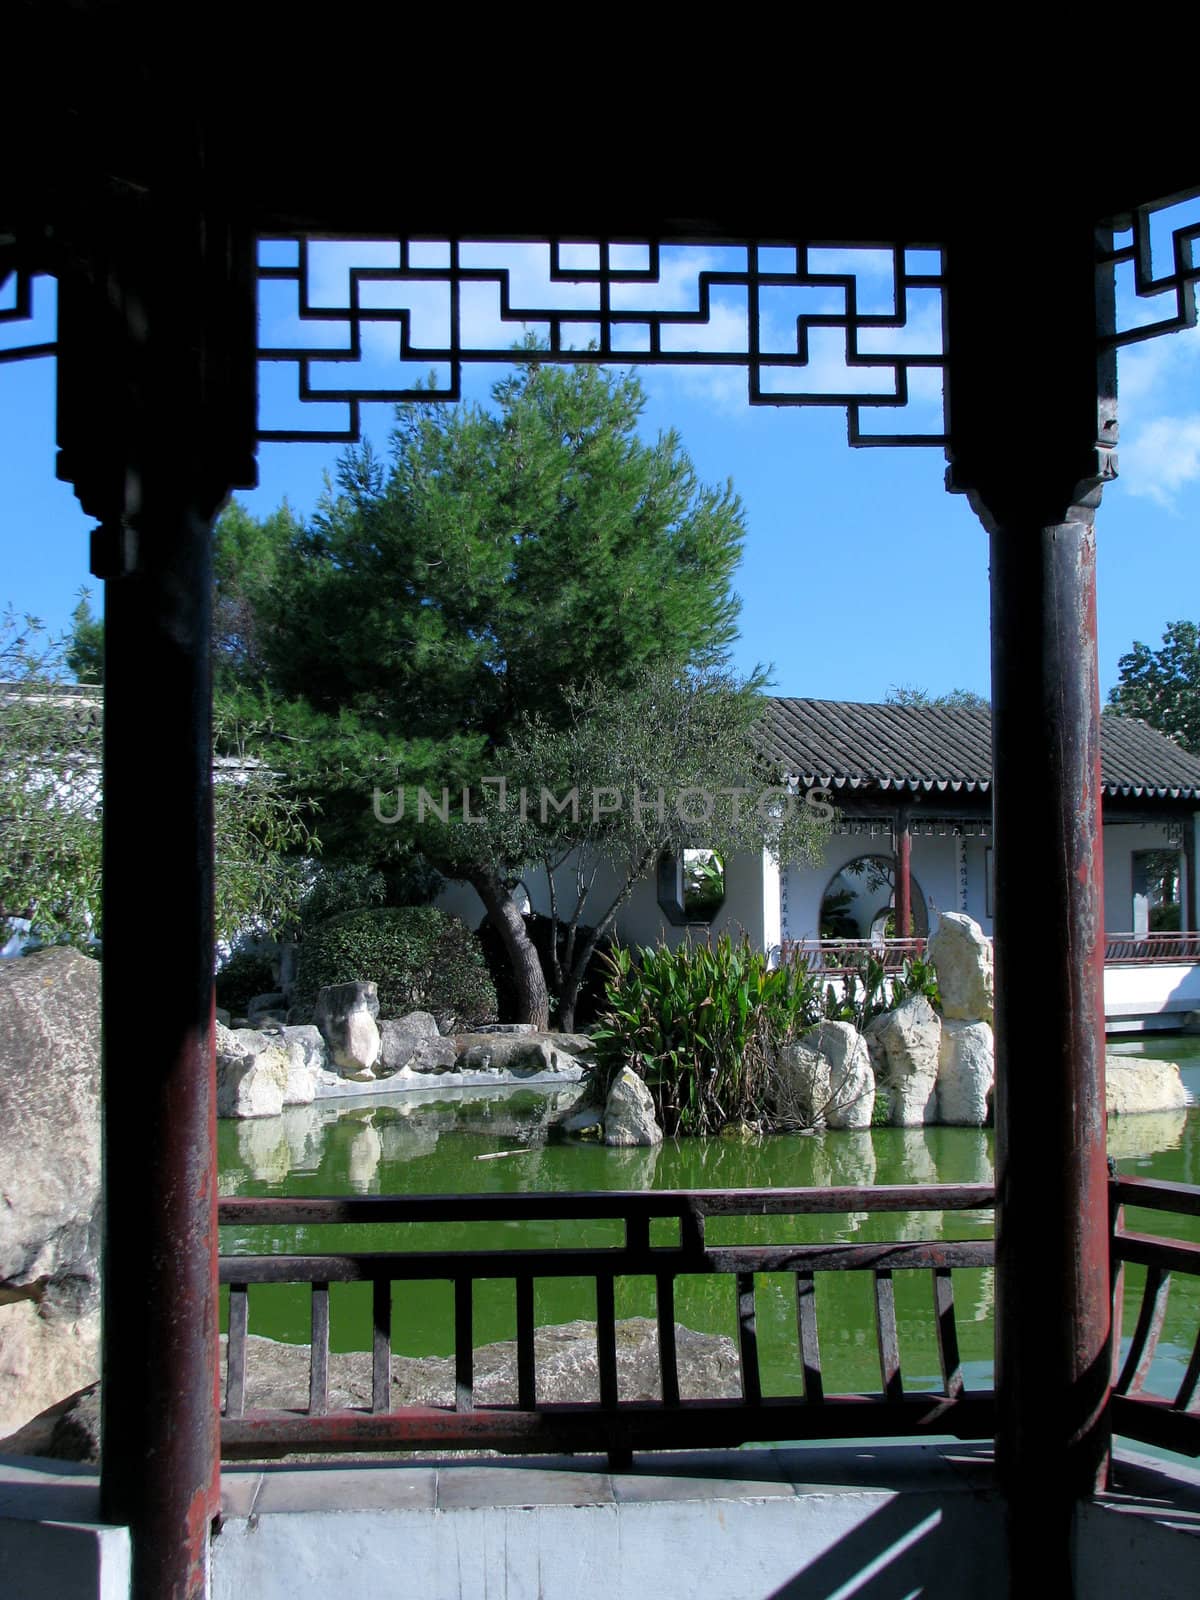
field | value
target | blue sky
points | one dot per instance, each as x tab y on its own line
860	572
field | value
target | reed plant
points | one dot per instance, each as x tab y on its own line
702	1025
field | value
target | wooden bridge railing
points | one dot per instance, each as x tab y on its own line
837	957
1170	1421
610	1424
1151	949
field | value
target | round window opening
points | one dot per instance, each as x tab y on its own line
859	901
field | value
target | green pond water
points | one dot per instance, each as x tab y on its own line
426	1143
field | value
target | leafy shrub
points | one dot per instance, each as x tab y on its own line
245	974
420	959
702	1025
865	993
335	890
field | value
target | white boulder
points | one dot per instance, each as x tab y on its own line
629	1112
802	1088
966	1069
346	1014
904	1047
962	956
851	1080
1134	1084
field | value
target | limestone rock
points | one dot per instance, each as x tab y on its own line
252	1073
401	1040
49	1179
802	1086
45	1354
966	1068
346	1015
851	1080
629	1112
904	1048
962	956
564	1356
1134	1084
519	1055
49	1117
266	1005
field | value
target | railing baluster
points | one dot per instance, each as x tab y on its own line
235	1351
318	1372
691	1231
889	1344
1146	1333
381	1345
748	1339
668	1358
947	1332
1191	1378
806	1327
526	1375
464	1346
606	1341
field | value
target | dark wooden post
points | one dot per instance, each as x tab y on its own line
1029	444
156	406
1189	906
903	875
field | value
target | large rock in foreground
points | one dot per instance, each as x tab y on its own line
49	1180
346	1015
1133	1084
259	1073
962	956
629	1112
825	1079
904	1047
966	1068
565	1364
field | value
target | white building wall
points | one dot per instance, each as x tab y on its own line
1121	840
770	907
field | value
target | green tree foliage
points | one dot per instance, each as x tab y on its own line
670	761
443	599
50	805
84	656
1162	687
418	957
907	694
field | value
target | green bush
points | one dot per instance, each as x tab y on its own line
420	959
702	1024
245	974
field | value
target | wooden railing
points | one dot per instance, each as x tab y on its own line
835	958
1151	949
610	1424
1170	1421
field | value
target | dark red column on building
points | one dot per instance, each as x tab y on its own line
1029	439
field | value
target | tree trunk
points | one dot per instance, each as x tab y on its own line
533	999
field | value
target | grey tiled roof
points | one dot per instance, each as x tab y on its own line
844	744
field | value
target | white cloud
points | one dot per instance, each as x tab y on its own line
1161	458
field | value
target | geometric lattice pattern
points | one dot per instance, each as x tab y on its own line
397	320
17	307
1157	270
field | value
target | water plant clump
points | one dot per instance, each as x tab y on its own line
702	1025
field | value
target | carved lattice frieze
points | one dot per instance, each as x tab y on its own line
398	320
25	322
1154	254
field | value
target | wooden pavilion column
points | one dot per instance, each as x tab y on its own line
156	417
903	875
1029	444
